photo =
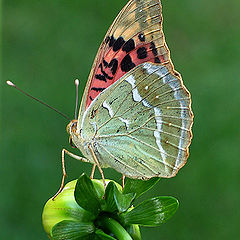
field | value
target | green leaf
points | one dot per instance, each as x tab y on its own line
152	212
86	195
109	198
99	187
139	186
103	236
134	231
123	201
73	230
115	200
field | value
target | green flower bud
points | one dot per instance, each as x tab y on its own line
64	207
86	210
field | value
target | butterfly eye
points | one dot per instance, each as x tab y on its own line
74	124
71	142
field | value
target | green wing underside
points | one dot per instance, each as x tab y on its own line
141	125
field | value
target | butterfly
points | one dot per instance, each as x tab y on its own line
135	115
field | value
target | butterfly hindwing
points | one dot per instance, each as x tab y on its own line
141	124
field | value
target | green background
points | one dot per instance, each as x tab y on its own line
49	43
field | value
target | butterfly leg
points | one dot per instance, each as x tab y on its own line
93	171
64	169
98	165
123	181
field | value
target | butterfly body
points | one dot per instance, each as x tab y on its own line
135	114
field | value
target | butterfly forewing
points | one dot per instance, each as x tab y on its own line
135	37
141	125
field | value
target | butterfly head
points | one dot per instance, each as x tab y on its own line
71	130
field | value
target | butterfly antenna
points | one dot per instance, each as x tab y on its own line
43	103
76	104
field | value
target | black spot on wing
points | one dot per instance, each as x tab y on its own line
154	49
100	77
113	65
105	63
141	37
97	89
157	60
104	73
113	100
142	53
111	41
118	44
127	64
129	46
91	98
93	113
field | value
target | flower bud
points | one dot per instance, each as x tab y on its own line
64	207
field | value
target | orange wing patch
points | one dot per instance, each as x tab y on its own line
135	37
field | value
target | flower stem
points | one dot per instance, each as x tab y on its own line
114	227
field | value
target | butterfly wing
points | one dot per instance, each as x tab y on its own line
135	37
141	124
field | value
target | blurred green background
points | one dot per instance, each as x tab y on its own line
47	44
